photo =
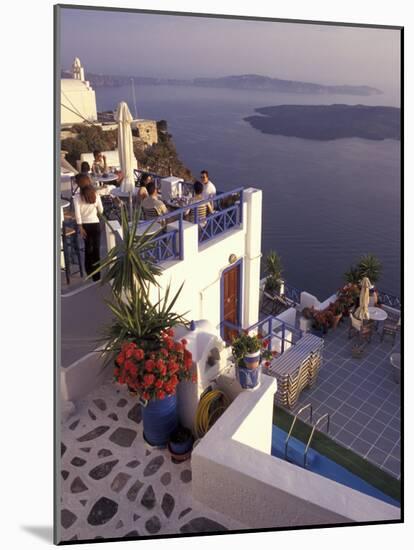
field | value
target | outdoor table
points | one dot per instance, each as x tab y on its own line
105	179
377	314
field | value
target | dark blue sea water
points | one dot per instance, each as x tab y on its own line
324	203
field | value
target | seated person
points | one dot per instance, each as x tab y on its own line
99	165
204	209
152	206
209	189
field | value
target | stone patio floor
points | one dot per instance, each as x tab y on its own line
114	485
361	396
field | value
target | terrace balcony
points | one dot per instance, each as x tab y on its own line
360	394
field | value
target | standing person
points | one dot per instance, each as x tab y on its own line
99	165
209	189
87	204
142	187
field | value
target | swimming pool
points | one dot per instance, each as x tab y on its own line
323	466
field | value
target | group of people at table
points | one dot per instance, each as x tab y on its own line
88	206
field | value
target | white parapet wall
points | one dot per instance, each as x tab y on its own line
234	473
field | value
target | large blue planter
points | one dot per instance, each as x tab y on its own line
248	378
160	420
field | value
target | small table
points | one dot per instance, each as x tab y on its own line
377	314
105	179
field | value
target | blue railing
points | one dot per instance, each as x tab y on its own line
389	299
163	247
223	219
292	293
278	332
386	298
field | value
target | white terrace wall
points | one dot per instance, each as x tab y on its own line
234	473
203	265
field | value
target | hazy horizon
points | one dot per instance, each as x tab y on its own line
167	46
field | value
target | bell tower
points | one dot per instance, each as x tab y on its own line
77	70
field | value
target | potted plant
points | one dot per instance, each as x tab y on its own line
273	269
140	338
369	266
305	321
336	308
181	443
322	320
247	352
348	295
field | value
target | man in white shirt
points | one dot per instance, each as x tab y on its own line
209	187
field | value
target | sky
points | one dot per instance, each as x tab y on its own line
136	44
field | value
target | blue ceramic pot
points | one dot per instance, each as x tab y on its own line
248	378
160	420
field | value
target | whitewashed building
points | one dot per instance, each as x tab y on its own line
77	97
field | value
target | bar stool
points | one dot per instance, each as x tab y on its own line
71	251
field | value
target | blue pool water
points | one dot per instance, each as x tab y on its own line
323	466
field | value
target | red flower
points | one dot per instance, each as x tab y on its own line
159	383
179	346
266	343
149	365
188	363
267	364
160	363
129	364
170	332
120	358
164	352
160	394
139	354
117	370
184	341
149	379
173	367
145	395
163	370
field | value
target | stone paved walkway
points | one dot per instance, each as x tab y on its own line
113	485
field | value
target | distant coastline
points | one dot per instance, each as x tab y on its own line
237	82
328	122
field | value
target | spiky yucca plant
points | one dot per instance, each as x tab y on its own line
370	266
124	266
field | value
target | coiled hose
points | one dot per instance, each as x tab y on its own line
211	406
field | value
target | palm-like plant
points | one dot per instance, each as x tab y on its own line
352	275
124	265
273	270
369	266
137	320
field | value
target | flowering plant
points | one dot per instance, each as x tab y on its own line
244	343
154	374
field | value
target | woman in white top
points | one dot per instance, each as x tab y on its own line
88	204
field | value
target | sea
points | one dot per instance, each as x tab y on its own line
325	203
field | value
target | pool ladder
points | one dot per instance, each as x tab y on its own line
314	426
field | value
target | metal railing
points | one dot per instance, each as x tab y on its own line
307	406
326	415
292	293
386	298
273	329
389	299
169	244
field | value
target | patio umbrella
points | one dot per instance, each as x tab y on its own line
125	148
362	311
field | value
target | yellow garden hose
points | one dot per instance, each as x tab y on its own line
211	406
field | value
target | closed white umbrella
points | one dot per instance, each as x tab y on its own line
125	147
362	311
